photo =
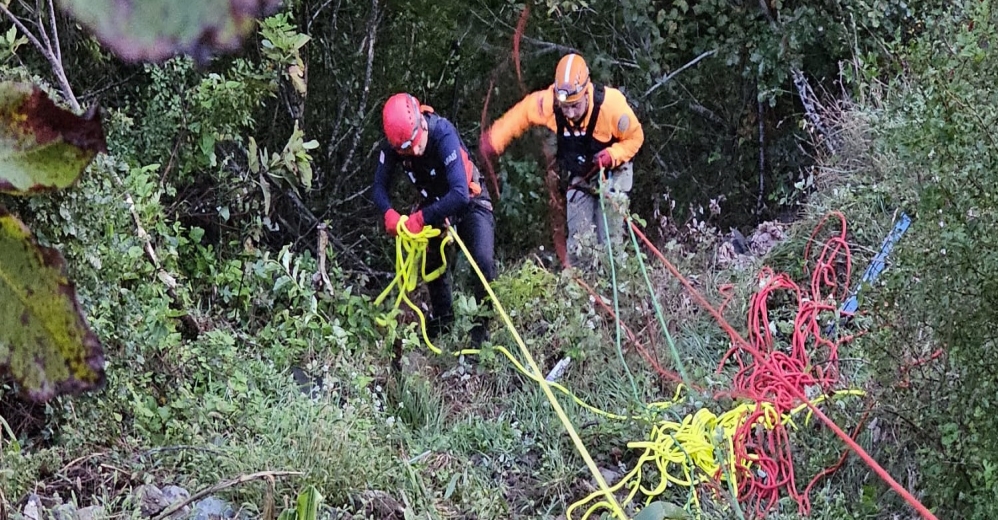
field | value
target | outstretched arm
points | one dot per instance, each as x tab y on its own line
536	109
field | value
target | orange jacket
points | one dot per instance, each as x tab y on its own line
616	120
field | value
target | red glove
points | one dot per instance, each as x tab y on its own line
414	224
392	221
603	159
485	146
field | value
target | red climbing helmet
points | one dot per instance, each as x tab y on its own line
402	120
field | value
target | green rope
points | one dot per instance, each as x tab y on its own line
613	277
658	309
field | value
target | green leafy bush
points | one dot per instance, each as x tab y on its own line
935	359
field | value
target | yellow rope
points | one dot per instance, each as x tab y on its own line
684	454
410	254
545	386
680	450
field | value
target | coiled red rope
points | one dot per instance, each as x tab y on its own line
761	492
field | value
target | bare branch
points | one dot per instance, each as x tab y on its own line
665	79
114	84
223	485
550	45
168	280
372	32
55	33
811	106
762	156
706	112
308	26
355	195
20	26
41	26
54	61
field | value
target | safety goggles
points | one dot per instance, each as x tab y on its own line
408	144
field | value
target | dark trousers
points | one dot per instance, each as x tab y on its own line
476	227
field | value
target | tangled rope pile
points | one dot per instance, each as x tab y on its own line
772	375
787	386
698	450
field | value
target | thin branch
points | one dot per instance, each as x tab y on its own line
354	196
224	485
41	27
550	45
179	448
55	32
308	26
706	113
105	88
665	79
762	156
334	142
810	102
54	61
564	49
372	33
168	280
17	23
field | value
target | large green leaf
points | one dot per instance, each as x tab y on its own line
45	341
662	511
42	146
154	30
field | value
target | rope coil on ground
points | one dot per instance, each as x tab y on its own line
703	448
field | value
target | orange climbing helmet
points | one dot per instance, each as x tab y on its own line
402	121
571	78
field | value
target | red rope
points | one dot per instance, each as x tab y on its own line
782	378
521	24
835	467
490	171
765	374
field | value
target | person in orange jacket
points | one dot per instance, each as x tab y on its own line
596	129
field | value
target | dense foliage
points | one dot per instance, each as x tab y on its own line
231	164
938	131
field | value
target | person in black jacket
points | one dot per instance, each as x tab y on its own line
436	161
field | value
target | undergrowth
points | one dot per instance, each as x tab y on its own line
288	377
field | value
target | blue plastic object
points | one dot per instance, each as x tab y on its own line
875	268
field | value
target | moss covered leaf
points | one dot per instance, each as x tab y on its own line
154	30
42	146
45	341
